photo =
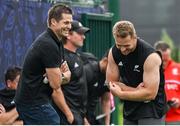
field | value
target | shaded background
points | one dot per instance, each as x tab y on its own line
150	17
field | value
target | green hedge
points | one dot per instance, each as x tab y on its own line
175	50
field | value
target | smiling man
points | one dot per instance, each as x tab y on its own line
135	74
45	56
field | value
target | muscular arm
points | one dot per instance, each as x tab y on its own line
151	79
112	68
112	73
54	77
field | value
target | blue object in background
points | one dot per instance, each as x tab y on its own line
2	86
20	23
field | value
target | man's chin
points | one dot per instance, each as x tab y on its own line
125	54
65	34
79	46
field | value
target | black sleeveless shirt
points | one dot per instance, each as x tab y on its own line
131	73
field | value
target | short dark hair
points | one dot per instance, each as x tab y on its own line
56	12
161	45
12	73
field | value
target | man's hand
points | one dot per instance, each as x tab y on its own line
64	67
86	121
176	102
2	109
141	85
66	73
124	87
70	118
115	89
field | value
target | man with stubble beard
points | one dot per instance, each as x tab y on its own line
45	56
135	75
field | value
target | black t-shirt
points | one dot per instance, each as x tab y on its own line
75	92
131	72
45	52
7	98
95	82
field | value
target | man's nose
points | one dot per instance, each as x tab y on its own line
122	49
83	36
69	25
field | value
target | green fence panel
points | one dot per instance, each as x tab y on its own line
99	39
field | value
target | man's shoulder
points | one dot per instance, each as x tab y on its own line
44	40
6	95
175	64
45	37
2	91
144	44
69	55
154	57
145	50
87	57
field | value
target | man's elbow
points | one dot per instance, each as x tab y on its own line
56	92
151	95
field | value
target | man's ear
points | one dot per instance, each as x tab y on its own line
53	22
